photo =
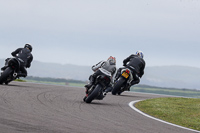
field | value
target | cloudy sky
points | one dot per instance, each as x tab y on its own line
84	32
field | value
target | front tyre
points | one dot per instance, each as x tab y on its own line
93	94
118	84
5	75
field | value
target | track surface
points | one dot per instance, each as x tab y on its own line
36	108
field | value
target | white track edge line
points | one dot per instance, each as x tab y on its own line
131	104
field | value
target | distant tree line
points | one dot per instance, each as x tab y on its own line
167	91
155	87
48	79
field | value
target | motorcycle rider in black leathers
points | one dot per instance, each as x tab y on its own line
25	57
136	64
108	66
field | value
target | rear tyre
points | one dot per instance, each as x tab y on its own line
117	86
93	94
5	75
84	98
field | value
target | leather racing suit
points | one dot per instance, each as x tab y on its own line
106	67
136	64
25	57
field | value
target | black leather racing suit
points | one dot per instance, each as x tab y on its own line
25	57
136	64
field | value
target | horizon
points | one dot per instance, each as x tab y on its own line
94	64
161	76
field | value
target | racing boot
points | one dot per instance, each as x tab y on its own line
4	68
19	75
109	89
128	88
89	85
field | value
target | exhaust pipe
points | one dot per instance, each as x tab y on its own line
14	74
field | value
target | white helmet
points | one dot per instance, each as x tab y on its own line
140	53
111	60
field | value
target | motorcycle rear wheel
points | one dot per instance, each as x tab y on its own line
93	94
117	86
5	75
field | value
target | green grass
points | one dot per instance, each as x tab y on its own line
46	82
181	111
20	80
77	84
57	83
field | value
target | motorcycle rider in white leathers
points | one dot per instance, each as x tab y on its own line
107	67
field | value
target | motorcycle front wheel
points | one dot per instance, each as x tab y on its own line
5	75
93	94
118	84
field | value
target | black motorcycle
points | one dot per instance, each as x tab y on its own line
123	82
98	88
12	66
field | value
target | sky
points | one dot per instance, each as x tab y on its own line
84	32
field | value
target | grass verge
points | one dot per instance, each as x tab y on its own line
180	111
20	80
56	83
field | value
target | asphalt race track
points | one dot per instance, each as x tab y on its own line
37	108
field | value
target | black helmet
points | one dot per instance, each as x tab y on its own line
28	46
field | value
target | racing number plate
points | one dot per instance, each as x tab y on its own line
124	74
